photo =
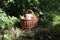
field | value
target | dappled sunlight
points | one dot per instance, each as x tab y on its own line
45	12
56	19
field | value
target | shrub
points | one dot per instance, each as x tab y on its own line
6	21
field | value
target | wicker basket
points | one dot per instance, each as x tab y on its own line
28	24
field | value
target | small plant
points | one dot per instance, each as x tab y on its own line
56	19
6	37
6	21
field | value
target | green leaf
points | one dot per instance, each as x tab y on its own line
56	19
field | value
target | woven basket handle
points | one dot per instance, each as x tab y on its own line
27	12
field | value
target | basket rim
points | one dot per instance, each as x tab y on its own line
26	19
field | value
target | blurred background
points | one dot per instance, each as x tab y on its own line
48	27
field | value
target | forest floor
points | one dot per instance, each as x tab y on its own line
15	33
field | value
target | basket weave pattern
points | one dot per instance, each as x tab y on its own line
28	24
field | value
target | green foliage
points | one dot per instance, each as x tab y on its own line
56	19
6	37
6	21
48	11
18	7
